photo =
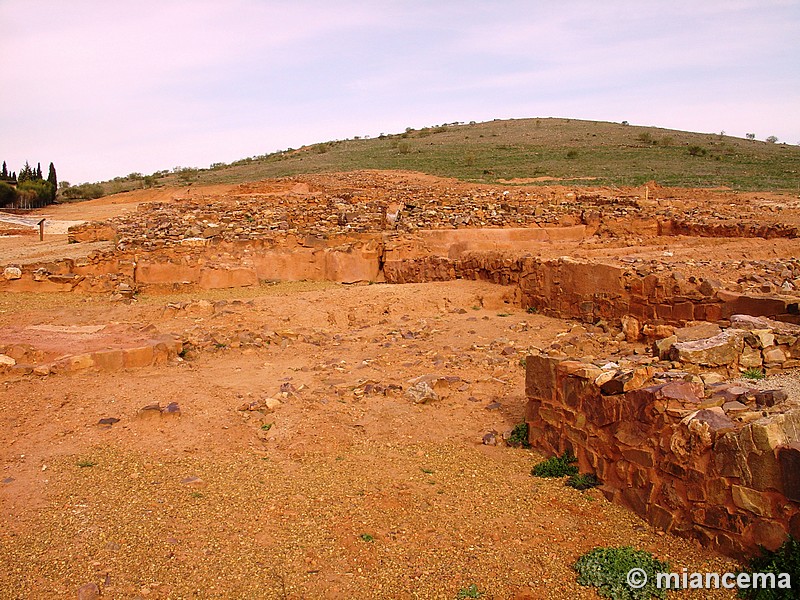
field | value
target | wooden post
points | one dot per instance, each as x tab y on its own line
41	230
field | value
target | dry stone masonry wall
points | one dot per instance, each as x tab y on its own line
718	462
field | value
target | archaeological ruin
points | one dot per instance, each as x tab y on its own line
673	300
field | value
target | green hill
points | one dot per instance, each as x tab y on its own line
609	153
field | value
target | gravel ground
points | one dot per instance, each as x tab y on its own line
342	495
789	381
379	520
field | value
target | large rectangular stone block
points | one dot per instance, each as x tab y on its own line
789	460
108	360
755	306
138	357
227	278
540	377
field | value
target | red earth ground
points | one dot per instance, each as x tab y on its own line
344	488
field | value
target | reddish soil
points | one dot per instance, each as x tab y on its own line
347	488
213	504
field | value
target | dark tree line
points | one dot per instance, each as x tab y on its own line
28	188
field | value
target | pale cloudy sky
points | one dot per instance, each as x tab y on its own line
104	88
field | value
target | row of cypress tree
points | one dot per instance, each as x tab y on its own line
28	189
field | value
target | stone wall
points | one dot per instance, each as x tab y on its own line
563	287
94	231
717	463
23	359
205	264
749	343
726	229
592	290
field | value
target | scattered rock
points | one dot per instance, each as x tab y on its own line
631	328
490	439
721	349
421	392
89	591
192	480
271	404
770	397
171	409
153	407
11	273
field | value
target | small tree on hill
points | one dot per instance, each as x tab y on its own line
35	193
26	173
52	179
8	195
772	139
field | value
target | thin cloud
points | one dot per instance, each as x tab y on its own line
105	88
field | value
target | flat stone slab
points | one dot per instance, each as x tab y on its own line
77	329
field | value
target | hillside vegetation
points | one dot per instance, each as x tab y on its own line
587	152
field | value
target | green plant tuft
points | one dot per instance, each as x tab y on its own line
754	373
471	591
696	150
366	537
519	436
785	559
556	466
583	481
607	570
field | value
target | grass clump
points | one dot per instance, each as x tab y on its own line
785	559
86	463
583	481
607	569
519	436
365	537
556	466
695	150
754	373
471	591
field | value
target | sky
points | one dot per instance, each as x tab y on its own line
104	89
